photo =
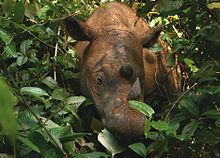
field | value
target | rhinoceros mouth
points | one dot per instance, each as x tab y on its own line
124	120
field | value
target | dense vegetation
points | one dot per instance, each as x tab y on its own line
39	92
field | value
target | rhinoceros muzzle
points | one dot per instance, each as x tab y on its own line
120	117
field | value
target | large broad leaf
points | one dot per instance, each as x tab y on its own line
10	50
139	148
33	91
153	135
160	125
147	127
110	142
32	9
27	120
188	104
7	6
169	5
25	46
39	141
21	59
50	82
51	153
189	130
58	94
7	116
5	156
30	144
73	103
212	114
19	11
5	37
142	107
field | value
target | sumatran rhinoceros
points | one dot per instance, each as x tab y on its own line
116	67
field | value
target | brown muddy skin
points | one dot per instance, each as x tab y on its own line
115	67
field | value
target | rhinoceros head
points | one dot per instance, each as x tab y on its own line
112	72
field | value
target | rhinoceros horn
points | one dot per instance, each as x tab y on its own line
135	91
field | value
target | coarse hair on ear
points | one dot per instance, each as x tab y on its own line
79	30
149	37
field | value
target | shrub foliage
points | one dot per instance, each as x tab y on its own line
40	100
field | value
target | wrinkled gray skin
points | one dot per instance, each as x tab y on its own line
110	51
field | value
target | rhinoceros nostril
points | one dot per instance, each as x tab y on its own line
126	71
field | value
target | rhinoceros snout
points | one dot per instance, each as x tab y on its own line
125	121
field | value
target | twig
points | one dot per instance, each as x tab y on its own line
184	93
14	146
55	54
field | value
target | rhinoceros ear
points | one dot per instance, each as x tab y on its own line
150	36
79	30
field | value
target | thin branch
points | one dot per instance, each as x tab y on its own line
55	54
184	93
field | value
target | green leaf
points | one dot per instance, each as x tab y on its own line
10	50
139	148
188	104
32	9
153	135
5	156
7	6
29	143
211	114
189	129
25	46
75	100
43	12
190	63
6	38
50	82
142	107
93	155
7	116
212	89
49	123
73	103
51	153
169	5
33	91
110	142
58	94
27	120
160	125
156	48
39	140
21	59
147	127
19	11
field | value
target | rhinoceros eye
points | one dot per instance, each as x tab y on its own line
99	79
126	71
